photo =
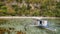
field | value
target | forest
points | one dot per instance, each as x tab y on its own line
44	8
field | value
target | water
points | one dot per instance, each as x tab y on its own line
23	25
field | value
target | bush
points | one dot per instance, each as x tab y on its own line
15	7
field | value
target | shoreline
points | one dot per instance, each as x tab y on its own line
30	17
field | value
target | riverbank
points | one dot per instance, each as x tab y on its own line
30	17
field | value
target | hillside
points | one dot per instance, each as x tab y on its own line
45	8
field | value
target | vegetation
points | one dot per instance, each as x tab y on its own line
46	8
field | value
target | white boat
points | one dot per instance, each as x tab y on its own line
41	23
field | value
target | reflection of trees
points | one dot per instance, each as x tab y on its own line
3	21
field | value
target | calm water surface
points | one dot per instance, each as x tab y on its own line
21	24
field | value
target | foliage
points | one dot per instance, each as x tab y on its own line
19	1
48	8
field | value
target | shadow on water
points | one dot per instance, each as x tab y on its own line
40	27
47	31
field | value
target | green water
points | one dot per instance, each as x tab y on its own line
21	24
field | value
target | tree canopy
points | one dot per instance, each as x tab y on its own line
50	8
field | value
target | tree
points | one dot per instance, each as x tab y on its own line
19	1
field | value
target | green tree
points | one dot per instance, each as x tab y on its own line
19	1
